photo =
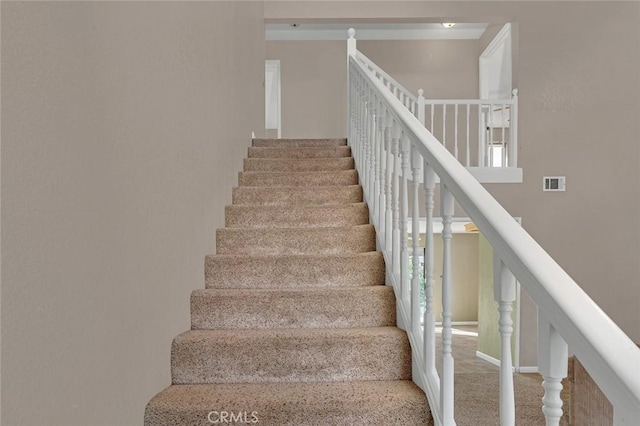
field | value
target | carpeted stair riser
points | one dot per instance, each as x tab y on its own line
358	307
297	195
247	216
277	241
308	152
294	271
303	179
297	165
398	402
292	355
298	143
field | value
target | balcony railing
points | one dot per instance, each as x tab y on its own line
482	134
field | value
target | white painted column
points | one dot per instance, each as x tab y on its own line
553	355
446	387
504	292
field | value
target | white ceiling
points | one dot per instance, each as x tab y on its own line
372	31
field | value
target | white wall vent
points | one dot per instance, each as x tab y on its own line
554	183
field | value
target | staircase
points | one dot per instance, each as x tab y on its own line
295	325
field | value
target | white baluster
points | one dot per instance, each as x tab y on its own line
504	292
444	125
370	137
395	205
468	148
455	133
503	159
355	105
429	282
513	129
388	227
416	165
364	177
405	147
482	132
384	131
432	108
363	132
490	144
379	138
356	124
553	357
446	388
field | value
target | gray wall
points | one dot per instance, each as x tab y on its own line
576	69
124	125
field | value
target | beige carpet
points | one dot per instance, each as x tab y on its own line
294	325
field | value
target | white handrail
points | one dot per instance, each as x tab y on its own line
384	76
567	314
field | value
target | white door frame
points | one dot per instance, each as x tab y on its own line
272	96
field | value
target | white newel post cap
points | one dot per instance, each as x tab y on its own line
351	42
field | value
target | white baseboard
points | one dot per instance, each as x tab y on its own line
490	359
454	323
530	369
496	362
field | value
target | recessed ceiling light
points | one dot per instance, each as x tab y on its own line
448	24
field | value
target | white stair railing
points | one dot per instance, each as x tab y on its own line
392	147
479	133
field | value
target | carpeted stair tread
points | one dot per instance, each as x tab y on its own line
297	165
290	355
294	271
272	241
318	195
373	306
305	152
375	403
300	179
256	216
299	143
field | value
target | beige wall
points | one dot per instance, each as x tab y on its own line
314	87
124	125
576	69
464	253
314	77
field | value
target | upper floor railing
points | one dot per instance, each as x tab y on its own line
392	147
480	133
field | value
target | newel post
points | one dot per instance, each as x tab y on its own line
351	51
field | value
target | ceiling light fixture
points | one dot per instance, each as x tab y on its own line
448	24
